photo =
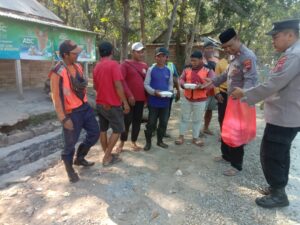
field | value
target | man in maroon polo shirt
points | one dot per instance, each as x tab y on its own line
134	73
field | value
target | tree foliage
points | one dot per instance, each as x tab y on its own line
149	18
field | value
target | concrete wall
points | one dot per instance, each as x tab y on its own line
34	73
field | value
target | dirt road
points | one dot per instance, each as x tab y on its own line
180	185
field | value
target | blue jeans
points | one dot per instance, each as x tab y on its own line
82	118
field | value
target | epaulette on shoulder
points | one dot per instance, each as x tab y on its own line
58	68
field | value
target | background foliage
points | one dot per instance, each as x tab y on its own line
251	18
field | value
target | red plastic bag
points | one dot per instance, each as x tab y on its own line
239	125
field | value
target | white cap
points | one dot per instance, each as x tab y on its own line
137	46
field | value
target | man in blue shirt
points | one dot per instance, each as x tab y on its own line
158	79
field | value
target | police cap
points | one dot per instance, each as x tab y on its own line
283	25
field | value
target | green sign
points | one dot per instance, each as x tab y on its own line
32	41
84	40
36	44
9	41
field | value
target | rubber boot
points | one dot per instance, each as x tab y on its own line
160	136
265	190
148	137
73	176
277	198
81	153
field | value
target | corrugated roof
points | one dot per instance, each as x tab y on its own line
35	20
29	8
32	11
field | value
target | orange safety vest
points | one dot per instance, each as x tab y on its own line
195	94
71	101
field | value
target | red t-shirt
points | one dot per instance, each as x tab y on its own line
105	73
134	74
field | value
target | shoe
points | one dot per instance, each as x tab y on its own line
72	175
277	198
162	145
147	147
265	190
81	153
83	162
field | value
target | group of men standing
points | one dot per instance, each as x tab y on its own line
122	92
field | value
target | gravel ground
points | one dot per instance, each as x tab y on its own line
181	185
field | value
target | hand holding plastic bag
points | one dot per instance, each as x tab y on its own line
239	125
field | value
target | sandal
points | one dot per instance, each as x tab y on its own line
113	160
136	148
207	131
198	143
118	150
220	159
179	141
231	172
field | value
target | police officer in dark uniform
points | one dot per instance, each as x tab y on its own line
282	112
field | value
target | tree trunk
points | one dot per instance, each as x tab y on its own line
190	41
179	54
86	10
142	20
125	30
171	24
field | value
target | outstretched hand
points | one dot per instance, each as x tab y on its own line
237	93
207	83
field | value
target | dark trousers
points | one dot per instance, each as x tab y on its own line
160	114
234	155
169	114
222	108
82	118
275	154
170	108
134	117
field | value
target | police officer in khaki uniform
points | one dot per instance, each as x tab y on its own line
282	112
240	73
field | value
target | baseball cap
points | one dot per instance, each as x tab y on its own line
283	25
227	35
137	46
68	46
161	50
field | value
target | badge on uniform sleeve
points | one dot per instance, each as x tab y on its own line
280	64
247	65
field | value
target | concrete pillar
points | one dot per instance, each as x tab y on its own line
19	79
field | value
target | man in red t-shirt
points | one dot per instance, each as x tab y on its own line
134	73
108	79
